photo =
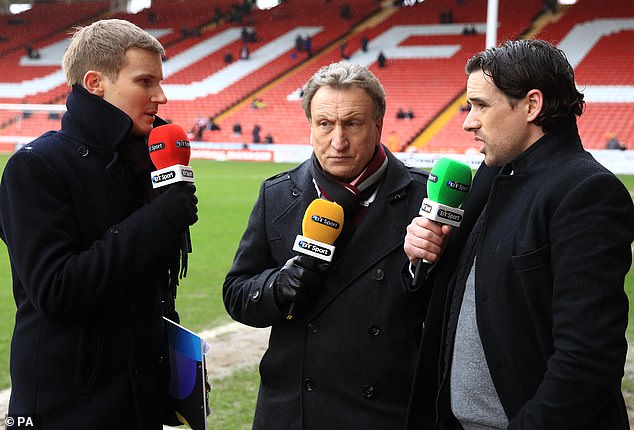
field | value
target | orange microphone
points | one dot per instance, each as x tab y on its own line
321	226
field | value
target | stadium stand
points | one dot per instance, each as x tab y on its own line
424	85
598	40
424	69
32	26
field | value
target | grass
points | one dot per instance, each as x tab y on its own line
226	192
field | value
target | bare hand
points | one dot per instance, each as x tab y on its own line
425	239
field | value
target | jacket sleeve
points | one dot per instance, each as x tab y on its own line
63	276
247	290
591	232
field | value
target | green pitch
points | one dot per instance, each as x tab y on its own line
226	193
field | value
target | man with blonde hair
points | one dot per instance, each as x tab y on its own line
93	250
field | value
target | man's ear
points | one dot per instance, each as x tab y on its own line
94	82
379	126
535	104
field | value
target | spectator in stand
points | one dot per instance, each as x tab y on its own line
344	358
258	103
32	53
342	50
268	138
364	43
237	129
308	45
217	15
299	43
200	125
255	133
525	327
345	11
612	142
381	60
244	52
400	113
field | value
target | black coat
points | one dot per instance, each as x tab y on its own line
88	258
551	309
348	362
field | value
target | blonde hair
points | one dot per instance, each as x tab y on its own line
102	46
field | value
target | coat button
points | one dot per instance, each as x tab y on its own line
374	330
313	327
82	151
367	391
309	385
378	274
255	295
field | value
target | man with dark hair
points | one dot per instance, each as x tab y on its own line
526	323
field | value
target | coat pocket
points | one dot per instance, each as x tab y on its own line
89	356
534	277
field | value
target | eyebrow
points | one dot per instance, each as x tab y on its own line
476	100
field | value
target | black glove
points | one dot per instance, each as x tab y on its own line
178	205
300	281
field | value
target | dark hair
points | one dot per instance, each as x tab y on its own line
518	66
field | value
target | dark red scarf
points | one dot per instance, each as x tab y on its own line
352	195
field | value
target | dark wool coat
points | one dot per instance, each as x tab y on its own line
88	256
551	309
348	362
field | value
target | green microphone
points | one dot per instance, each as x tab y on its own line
447	186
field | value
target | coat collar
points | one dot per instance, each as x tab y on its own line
97	123
565	137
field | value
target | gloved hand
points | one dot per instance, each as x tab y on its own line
300	281
178	205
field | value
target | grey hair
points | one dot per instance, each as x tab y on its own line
345	75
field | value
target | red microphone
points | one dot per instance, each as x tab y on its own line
170	152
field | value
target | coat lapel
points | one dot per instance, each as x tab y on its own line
289	223
380	233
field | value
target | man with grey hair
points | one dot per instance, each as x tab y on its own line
345	358
94	251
